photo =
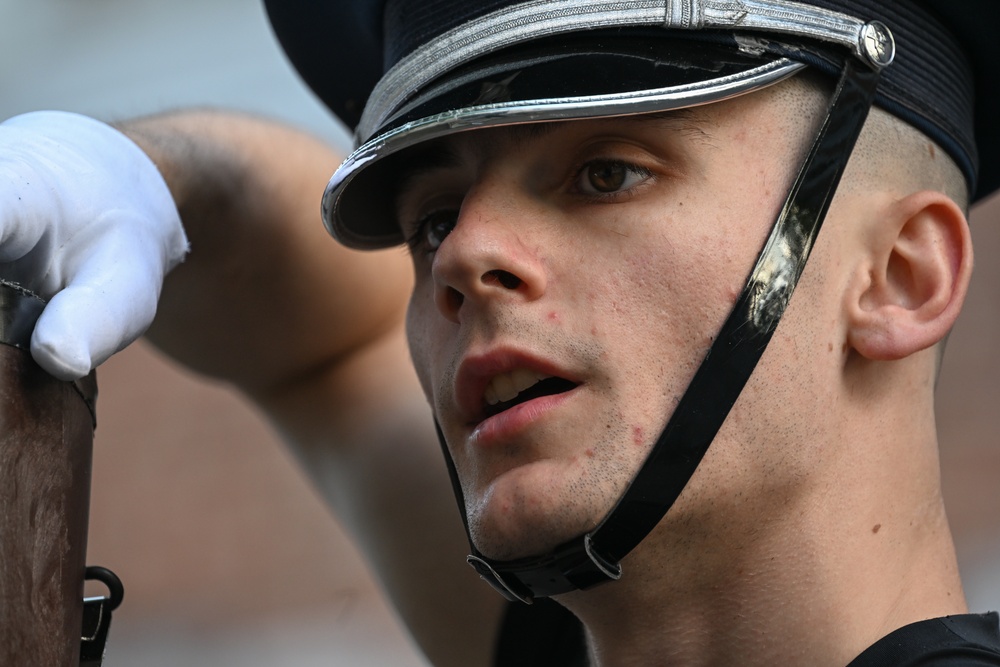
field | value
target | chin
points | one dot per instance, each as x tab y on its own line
526	544
520	516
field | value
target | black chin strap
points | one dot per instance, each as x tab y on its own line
595	557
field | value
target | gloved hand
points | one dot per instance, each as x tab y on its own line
86	221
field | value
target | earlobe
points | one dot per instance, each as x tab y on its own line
921	266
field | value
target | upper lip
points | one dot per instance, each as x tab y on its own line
476	371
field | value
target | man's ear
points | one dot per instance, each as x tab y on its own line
921	263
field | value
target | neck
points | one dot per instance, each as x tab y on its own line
841	561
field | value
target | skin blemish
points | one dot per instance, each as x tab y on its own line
829	347
554	316
637	435
877	527
589	453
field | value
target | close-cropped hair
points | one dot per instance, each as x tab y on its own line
895	154
890	152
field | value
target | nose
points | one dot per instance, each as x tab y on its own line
491	254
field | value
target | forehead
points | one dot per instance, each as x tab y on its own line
456	151
714	129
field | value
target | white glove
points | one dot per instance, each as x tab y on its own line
86	221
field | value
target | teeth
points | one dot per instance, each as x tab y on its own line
508	385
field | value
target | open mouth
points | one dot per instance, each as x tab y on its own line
505	396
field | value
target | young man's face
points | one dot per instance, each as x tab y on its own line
570	278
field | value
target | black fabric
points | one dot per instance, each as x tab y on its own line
969	640
980	45
543	634
336	47
546	634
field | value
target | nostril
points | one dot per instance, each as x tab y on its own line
454	299
505	278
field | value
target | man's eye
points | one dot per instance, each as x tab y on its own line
603	177
432	230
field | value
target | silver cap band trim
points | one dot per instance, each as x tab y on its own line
541	18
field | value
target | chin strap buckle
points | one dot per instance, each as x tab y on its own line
490	576
575	565
97	616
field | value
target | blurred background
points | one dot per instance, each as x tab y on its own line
227	554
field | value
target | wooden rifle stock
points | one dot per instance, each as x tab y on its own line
46	444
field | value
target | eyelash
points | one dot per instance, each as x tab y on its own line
633	169
419	237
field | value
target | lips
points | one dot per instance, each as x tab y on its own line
506	386
538	387
493	383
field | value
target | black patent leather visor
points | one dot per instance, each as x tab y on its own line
562	78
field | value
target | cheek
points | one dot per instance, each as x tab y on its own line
418	337
661	310
677	295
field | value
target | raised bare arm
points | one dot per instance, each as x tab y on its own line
312	333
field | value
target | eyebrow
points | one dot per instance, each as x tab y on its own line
689	121
686	119
440	154
432	155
